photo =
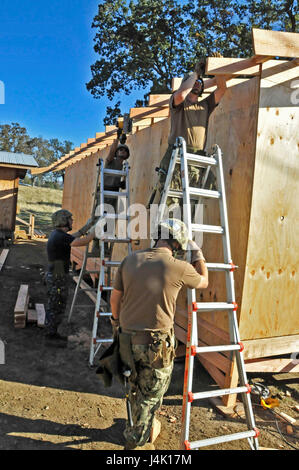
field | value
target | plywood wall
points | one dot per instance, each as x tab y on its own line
271	291
232	126
8	198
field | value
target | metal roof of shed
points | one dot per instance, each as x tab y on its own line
18	159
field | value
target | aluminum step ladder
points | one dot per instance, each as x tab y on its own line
104	284
214	161
104	272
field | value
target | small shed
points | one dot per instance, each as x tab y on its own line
256	126
13	166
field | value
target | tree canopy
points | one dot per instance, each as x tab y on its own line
145	43
15	138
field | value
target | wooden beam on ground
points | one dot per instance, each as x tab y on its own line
3	257
271	365
21	307
41	315
275	43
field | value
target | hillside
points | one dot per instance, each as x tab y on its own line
41	202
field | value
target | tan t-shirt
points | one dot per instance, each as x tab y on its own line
151	280
190	120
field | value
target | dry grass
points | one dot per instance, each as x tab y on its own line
41	202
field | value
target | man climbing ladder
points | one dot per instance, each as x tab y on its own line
180	155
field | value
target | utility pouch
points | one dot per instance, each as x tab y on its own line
125	351
161	351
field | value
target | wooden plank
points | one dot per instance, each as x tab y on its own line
159	100
271	365
147	112
231	66
22	299
21	306
31	315
275	43
265	347
84	285
3	257
41	315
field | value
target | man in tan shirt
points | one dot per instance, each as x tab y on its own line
189	117
143	304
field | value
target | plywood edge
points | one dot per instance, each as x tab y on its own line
258	348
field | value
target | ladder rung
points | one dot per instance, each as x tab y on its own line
92	289
210	306
116	240
117	216
114	172
207	228
221	439
220	267
219	393
115	194
112	264
224	347
104	314
110	340
199	159
106	288
195	193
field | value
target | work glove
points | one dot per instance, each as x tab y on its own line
196	252
83	230
200	67
216	54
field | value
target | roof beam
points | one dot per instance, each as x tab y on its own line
275	43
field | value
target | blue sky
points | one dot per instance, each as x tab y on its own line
46	50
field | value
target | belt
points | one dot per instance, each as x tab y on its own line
139	337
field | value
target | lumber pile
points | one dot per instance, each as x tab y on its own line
24	314
21	307
3	257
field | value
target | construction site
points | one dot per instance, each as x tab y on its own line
52	398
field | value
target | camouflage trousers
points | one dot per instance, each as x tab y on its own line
57	293
195	174
154	368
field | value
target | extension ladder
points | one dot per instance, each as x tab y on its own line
104	282
181	156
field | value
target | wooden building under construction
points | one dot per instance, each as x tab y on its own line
13	167
256	126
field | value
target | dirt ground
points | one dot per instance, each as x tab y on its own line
51	400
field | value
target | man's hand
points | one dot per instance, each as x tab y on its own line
200	67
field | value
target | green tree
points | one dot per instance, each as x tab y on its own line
15	138
142	44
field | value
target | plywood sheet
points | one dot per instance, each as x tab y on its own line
8	198
271	290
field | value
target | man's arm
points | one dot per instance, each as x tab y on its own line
199	263
201	267
185	88
112	151
81	241
115	302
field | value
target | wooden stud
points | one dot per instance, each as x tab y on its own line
3	257
41	315
275	43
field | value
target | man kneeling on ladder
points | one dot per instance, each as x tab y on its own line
143	304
